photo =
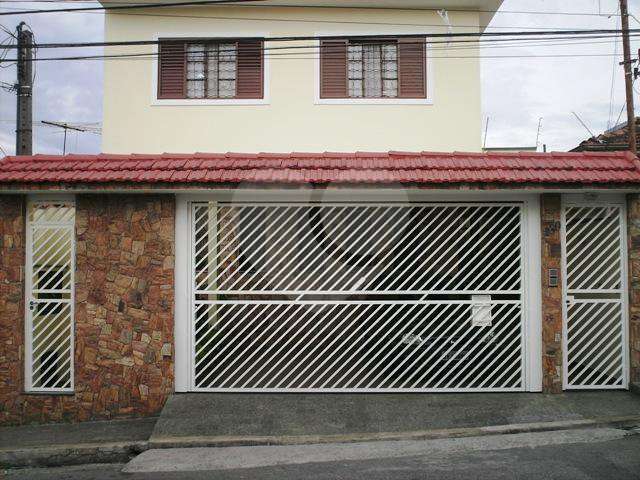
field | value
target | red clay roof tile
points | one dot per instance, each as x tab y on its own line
328	167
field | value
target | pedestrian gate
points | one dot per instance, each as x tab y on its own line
594	329
357	297
49	296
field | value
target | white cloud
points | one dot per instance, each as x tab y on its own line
518	91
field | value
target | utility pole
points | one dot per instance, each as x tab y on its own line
628	76
24	89
65	127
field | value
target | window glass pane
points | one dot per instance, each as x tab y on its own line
195	89
390	51
195	70
354	52
228	52
227	88
355	88
372	60
373	70
227	71
390	70
211	70
390	88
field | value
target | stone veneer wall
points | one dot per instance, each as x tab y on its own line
551	206
123	317
633	226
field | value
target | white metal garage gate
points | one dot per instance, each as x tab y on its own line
357	297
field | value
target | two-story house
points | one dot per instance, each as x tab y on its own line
395	265
220	80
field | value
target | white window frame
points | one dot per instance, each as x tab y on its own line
209	35
531	248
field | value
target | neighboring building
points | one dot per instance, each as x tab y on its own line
125	278
616	139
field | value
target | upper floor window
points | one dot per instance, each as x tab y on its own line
377	68
210	69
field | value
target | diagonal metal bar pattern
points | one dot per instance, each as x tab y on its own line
594	318
50	320
357	297
306	248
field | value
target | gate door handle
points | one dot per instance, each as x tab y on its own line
32	305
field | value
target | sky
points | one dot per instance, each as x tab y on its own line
517	91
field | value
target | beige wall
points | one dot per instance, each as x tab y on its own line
291	119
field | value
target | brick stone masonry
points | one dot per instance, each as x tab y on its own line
551	206
633	226
124	289
12	237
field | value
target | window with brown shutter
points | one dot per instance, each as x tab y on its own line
211	69
333	69
376	68
171	70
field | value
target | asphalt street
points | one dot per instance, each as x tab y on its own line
584	454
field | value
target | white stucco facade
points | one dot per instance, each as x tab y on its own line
291	117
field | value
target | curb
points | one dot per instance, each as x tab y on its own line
122	452
65	455
245	441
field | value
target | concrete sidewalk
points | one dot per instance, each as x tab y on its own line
267	419
74	444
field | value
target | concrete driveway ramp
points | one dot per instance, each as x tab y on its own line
250	419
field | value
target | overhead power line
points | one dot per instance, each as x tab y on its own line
311	51
127	7
544	33
458	10
300	20
309	57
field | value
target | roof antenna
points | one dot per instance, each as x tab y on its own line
584	125
65	127
538	134
486	130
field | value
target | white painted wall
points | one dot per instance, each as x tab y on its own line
290	118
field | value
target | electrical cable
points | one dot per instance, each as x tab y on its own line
519	34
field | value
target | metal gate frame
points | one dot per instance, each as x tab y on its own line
531	356
602	201
28	323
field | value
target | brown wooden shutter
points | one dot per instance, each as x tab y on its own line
172	70
249	78
334	77
412	72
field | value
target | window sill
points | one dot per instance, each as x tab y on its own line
373	101
208	102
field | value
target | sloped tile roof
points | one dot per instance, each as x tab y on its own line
616	139
343	168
